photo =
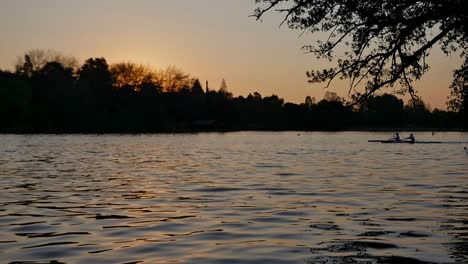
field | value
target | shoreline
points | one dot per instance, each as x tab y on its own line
197	131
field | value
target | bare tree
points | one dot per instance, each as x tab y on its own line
34	60
174	79
131	74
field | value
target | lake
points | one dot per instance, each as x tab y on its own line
244	197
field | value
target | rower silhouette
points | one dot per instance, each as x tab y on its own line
411	138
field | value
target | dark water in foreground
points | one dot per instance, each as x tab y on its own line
233	198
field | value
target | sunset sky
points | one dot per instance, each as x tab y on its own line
210	39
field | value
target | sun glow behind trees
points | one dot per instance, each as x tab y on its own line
129	97
211	39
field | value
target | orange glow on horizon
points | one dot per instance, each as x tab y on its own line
210	40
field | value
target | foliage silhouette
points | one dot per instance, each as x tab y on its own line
34	60
131	98
131	74
386	42
459	92
94	86
53	96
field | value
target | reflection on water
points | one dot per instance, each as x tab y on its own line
232	198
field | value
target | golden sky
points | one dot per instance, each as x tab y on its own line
210	39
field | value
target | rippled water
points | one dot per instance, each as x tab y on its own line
245	197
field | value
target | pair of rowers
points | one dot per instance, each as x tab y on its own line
411	138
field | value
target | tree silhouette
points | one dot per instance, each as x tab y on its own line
95	78
15	101
386	41
331	96
223	86
53	96
308	102
131	74
459	92
34	60
197	89
95	90
131	98
459	89
223	91
330	112
174	79
418	111
385	109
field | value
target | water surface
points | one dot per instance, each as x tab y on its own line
247	197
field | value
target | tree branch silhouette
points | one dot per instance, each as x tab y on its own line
386	42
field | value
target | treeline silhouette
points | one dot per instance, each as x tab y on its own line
50	94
